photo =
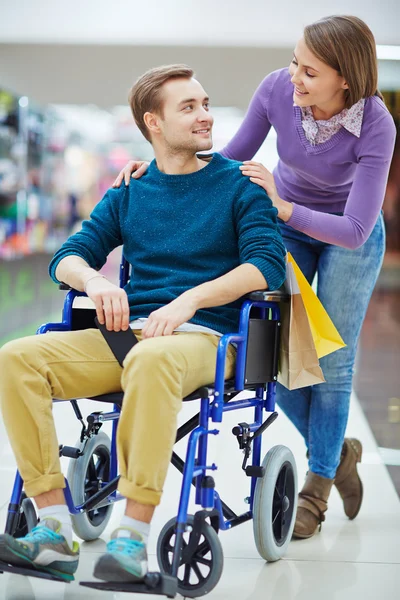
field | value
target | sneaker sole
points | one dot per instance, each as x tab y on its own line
10	556
108	568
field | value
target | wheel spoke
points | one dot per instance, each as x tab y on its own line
203	561
277	524
91	470
186	577
277	492
184	545
203	548
276	516
196	569
102	468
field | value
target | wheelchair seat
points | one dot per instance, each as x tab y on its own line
202	392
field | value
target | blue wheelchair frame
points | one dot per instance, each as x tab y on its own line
195	467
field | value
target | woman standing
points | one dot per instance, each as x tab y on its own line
335	141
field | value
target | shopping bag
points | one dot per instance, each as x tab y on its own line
326	337
298	360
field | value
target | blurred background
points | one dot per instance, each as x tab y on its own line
66	131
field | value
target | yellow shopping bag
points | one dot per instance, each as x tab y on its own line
326	337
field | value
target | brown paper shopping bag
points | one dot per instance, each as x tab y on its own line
298	360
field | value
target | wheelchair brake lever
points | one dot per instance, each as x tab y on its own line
245	439
266	424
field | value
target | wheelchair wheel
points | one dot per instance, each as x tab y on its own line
27	518
198	573
85	475
275	503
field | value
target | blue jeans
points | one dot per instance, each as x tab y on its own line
346	279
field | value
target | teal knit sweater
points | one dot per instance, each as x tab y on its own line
179	231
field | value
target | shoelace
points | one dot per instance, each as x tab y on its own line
41	533
125	545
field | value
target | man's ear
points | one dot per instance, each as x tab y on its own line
151	120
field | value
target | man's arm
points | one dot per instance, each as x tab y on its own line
111	301
227	288
100	234
223	290
79	258
75	272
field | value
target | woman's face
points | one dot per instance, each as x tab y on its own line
315	83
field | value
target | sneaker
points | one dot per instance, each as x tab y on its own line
44	549
125	559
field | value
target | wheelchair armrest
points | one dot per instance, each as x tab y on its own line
268	296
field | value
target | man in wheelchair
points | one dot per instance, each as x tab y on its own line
198	236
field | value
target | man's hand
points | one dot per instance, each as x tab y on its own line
166	319
111	302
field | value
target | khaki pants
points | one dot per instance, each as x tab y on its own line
157	374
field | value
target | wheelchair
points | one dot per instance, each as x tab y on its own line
189	550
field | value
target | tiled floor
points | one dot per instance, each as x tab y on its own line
358	560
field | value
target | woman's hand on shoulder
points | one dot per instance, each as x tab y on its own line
134	168
261	176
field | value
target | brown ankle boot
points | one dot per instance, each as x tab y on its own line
347	480
312	505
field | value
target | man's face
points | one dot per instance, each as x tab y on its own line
186	122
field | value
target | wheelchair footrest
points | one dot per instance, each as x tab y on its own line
6	568
154	583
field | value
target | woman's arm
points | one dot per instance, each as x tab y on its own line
255	126
365	199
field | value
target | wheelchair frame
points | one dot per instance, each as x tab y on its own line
252	373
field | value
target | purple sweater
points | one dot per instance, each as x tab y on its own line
345	175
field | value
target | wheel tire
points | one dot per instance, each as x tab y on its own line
275	497
83	477
27	518
209	555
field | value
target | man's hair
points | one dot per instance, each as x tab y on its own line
146	93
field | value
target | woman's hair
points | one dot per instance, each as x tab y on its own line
346	44
146	93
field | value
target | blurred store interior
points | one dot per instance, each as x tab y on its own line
66	130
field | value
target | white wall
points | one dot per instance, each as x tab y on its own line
102	75
91	51
184	22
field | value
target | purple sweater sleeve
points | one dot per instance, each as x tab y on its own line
255	126
366	195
